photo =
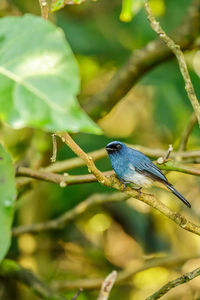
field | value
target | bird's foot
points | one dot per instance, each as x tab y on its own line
138	190
124	184
134	188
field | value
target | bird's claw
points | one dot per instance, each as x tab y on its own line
124	186
138	190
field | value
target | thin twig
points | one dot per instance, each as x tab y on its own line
164	159
172	284
77	294
76	162
169	151
186	133
176	49
11	270
107	285
44	9
54	154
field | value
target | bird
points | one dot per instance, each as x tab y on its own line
132	166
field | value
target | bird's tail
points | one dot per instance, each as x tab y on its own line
175	192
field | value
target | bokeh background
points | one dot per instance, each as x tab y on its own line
153	114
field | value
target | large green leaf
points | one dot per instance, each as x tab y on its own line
7	198
39	77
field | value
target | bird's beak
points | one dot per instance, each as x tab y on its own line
109	149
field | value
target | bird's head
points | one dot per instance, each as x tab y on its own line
115	147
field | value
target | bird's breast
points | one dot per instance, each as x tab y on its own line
140	180
137	178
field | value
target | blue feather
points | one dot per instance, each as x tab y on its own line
133	166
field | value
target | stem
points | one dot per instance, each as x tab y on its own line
176	49
172	284
44	9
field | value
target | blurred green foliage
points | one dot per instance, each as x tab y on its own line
58	4
7	198
153	114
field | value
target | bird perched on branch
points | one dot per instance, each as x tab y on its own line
132	166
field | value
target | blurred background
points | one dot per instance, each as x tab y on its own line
112	236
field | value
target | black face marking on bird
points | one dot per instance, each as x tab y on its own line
113	147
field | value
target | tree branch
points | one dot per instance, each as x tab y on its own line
107	285
142	61
54	154
62	180
76	162
116	184
66	179
66	138
11	270
172	284
178	167
176	49
44	9
61	221
61	166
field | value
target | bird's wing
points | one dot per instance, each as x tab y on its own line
146	167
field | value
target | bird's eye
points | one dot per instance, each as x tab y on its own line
118	146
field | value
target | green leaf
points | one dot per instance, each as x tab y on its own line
58	4
7	198
39	77
130	8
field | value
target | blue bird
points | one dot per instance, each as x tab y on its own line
132	166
